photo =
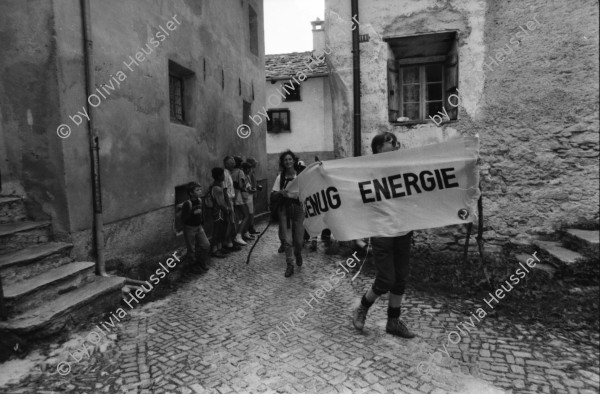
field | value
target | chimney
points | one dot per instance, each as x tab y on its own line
318	36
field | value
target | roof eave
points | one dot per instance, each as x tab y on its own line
291	76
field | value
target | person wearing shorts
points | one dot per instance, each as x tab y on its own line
391	255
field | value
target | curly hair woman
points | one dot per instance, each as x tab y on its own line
290	212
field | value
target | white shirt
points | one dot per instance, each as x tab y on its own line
291	193
228	183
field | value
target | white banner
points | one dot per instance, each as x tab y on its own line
393	192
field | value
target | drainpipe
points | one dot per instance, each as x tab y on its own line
356	78
93	138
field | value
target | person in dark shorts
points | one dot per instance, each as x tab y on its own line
196	241
391	255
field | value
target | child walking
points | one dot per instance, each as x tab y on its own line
391	260
195	239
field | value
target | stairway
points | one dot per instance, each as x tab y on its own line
44	289
573	247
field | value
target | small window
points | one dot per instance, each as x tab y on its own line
421	76
181	86
253	23
176	97
279	120
246	108
292	91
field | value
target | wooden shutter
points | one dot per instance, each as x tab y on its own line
393	90
451	80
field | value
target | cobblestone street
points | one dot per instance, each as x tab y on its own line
224	332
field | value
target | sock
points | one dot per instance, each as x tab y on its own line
393	313
364	302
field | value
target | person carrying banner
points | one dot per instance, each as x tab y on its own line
391	256
290	212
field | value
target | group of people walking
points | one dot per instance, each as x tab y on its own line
230	202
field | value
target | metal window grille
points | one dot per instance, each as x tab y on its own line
176	97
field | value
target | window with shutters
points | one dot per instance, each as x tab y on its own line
422	74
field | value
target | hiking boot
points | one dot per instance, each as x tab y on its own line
359	317
299	260
204	259
397	328
289	271
238	240
281	249
253	231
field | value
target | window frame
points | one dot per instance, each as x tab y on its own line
423	117
270	120
172	95
423	49
295	91
186	78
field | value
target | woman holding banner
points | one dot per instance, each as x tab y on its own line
391	260
289	210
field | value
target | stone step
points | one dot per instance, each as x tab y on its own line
34	291
18	235
33	260
541	266
12	209
101	295
586	242
558	253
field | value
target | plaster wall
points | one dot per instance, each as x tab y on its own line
30	157
143	154
536	111
310	119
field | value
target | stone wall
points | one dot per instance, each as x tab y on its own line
536	110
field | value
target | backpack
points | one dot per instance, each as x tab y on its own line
178	221
207	200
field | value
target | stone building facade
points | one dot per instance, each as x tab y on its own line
164	117
522	75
